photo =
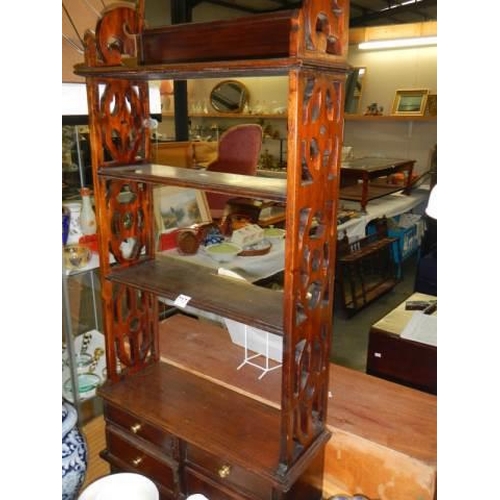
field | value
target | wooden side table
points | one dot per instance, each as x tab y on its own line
361	178
401	360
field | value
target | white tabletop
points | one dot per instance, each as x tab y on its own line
250	268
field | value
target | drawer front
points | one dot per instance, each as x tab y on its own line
225	473
129	453
198	483
131	424
403	361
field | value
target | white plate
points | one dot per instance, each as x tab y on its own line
223	252
274	233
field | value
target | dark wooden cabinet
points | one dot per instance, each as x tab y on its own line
183	428
403	361
399	359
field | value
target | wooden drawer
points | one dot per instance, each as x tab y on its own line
225	473
198	483
129	453
131	424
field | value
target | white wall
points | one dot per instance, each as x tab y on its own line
390	70
386	72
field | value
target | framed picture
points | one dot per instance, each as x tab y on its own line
177	207
410	102
432	104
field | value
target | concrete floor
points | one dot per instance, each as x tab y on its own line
350	335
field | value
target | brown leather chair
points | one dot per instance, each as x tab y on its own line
238	153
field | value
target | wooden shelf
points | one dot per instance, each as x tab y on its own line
365	270
236	299
367	250
218	396
250	186
234	116
185	342
365	298
388	118
132	70
355	192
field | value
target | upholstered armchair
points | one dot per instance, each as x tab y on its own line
238	153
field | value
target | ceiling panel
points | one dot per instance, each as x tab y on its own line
362	12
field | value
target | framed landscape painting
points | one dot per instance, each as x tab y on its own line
411	102
177	207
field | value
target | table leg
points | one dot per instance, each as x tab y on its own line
409	173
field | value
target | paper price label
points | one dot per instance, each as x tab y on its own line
182	301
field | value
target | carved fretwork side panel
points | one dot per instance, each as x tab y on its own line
313	178
119	118
133	326
326	30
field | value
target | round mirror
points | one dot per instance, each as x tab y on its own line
229	96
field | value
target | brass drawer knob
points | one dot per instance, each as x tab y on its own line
224	471
137	461
135	428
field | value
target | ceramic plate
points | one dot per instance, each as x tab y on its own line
274	232
223	252
87	384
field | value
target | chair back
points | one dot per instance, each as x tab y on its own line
238	153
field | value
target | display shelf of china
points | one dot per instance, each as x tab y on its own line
83	348
388	118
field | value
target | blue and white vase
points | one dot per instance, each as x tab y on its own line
74	453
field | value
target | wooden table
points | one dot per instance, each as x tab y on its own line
401	360
361	178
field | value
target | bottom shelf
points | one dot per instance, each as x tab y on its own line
204	348
201	403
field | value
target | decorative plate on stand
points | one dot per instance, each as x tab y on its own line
90	365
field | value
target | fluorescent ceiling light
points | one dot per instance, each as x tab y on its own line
398	43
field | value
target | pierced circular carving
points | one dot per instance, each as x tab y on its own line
127	220
313	295
134	324
313	149
326	254
316	260
329	104
304	221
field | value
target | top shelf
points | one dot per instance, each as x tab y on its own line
131	70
